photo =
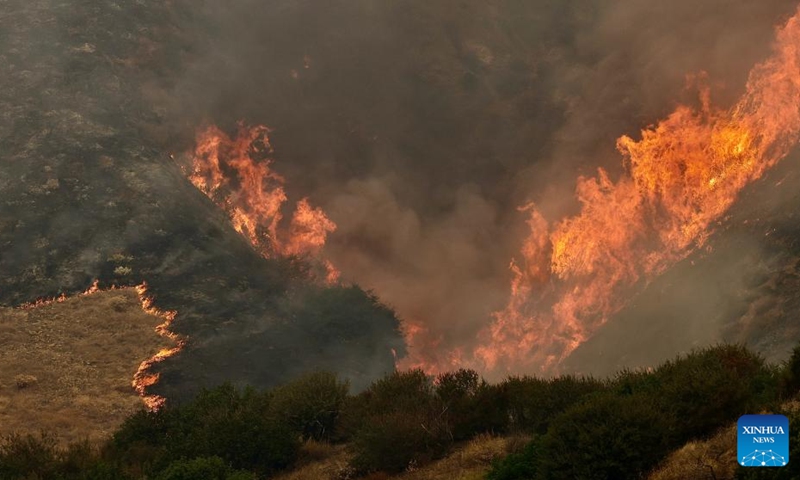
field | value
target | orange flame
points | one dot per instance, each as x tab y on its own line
681	177
235	173
142	379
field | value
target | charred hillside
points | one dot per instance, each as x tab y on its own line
90	192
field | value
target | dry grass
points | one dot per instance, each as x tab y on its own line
67	367
470	461
320	461
713	459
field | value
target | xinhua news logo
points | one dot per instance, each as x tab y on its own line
763	440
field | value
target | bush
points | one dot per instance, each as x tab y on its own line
223	422
516	466
398	421
28	456
399	391
533	402
790	378
394	441
310	404
471	405
203	468
708	459
141	444
608	436
707	388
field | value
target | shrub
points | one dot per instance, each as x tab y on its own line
394	441
534	402
25	381
402	421
516	466
28	456
236	427
310	404
607	436
141	443
203	468
790	378
712	458
709	388
78	458
471	405
399	391
103	471
225	422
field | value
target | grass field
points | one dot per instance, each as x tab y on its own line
66	366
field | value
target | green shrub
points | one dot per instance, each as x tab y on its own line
310	404
471	405
607	436
398	391
790	378
203	468
402	422
225	422
517	466
29	456
142	444
394	441
534	402
707	388
102	470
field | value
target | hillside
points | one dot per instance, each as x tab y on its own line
89	191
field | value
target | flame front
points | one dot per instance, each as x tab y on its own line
143	378
236	174
681	177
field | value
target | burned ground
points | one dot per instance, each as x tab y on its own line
90	192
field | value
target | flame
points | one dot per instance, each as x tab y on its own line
680	178
235	172
142	379
93	288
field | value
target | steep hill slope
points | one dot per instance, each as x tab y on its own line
88	192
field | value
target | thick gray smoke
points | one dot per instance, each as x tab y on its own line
420	126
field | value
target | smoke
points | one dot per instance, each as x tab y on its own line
420	127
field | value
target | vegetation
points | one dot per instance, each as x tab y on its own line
623	427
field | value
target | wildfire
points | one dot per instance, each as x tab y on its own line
681	177
236	173
93	288
142	378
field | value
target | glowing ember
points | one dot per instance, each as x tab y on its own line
235	173
681	177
